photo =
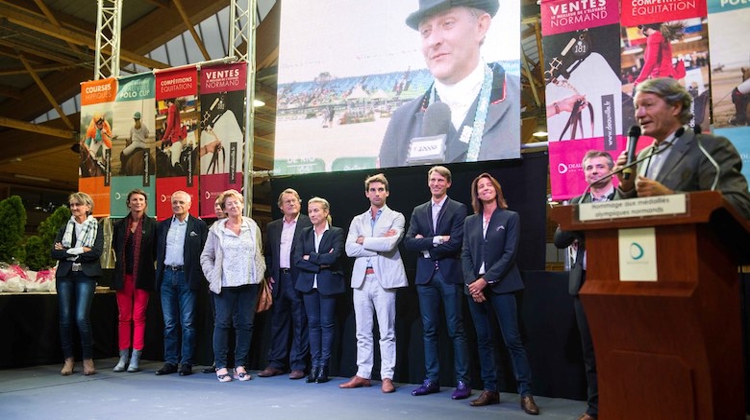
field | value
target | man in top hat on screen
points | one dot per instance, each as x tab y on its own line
482	118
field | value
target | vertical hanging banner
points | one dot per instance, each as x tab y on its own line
583	89
132	162
177	113
666	39
730	74
97	98
730	62
222	126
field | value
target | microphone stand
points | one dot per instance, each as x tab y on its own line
653	153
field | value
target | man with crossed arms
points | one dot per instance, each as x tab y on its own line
378	271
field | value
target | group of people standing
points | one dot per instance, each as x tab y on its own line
460	259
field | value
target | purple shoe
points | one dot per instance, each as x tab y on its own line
428	387
462	391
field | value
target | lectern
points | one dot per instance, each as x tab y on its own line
669	348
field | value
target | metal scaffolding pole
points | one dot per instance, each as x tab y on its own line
108	26
243	18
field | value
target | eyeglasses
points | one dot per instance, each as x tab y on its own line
100	121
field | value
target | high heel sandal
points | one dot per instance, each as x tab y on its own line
241	374
223	375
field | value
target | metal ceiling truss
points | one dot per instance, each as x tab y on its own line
108	26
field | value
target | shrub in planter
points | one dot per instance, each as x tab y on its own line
39	247
12	228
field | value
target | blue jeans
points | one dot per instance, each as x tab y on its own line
320	311
235	306
288	316
178	307
74	296
430	297
507	316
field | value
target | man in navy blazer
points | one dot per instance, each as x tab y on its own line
436	232
288	311
179	243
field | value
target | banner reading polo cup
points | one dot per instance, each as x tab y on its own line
583	88
221	149
97	98
177	115
132	162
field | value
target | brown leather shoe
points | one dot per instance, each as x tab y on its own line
387	386
528	405
269	371
586	416
356	382
296	374
486	398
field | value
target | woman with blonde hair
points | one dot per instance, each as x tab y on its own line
233	263
318	254
77	247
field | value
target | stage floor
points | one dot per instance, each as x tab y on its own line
41	393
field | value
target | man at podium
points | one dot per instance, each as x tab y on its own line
680	160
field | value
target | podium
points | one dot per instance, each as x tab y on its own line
670	348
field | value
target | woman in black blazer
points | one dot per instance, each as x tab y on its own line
78	246
318	255
134	244
491	237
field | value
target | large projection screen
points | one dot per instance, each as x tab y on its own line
345	68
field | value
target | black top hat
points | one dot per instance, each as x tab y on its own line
430	7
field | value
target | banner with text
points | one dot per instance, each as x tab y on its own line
223	90
95	145
177	137
133	144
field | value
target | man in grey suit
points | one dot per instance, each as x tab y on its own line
484	118
597	168
378	271
288	311
680	160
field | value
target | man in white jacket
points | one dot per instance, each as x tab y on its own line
378	271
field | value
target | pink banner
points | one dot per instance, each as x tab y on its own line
223	90
565	170
560	16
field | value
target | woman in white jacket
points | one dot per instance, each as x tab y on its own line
233	263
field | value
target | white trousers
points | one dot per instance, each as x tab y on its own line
370	301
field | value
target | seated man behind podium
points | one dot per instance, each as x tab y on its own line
483	99
681	160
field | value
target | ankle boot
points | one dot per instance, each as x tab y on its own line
88	367
322	375
68	366
124	356
135	361
313	374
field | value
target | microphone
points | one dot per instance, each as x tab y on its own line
680	131
633	135
430	147
717	168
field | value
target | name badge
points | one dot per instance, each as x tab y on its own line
426	149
